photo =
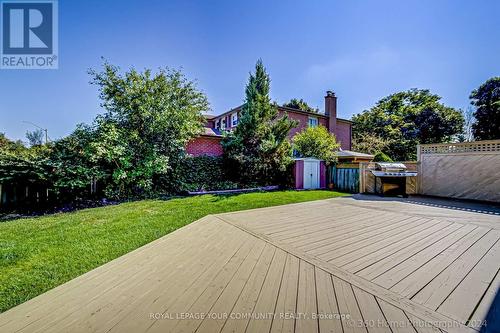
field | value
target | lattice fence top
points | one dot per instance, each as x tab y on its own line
464	147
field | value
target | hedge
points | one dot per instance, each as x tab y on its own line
204	173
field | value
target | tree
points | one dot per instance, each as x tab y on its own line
381	157
369	143
486	99
467	135
76	163
316	142
148	121
35	138
20	165
408	118
300	104
258	151
7	145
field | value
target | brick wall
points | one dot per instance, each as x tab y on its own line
343	135
204	145
342	129
303	120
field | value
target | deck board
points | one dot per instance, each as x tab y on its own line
438	260
394	268
396	318
286	303
339	265
421	276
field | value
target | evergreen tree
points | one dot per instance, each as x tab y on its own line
257	151
300	104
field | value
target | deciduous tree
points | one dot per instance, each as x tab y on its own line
486	99
408	118
148	121
316	142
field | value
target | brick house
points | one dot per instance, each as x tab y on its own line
208	143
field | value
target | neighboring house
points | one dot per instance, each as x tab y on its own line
208	143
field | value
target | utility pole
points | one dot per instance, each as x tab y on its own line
43	129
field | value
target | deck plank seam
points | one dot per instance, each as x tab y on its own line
482	297
472	268
399	301
308	247
231	279
412	255
457	258
393	238
412	224
424	263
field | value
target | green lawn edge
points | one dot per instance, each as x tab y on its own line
38	254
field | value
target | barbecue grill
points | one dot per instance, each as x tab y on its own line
390	178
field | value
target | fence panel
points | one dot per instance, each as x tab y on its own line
461	170
345	179
24	196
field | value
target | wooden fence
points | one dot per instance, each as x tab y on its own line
468	170
37	196
24	196
345	177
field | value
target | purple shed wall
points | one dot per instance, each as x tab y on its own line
322	174
299	174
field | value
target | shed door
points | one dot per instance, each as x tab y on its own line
311	174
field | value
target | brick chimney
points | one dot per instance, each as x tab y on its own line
331	110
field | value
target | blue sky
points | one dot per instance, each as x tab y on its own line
363	50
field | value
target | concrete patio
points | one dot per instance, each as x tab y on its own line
356	264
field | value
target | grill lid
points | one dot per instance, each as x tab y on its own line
390	166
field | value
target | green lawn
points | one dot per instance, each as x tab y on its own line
38	254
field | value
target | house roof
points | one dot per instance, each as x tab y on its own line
228	112
212	132
285	108
209	116
349	153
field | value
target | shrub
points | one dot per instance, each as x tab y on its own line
381	157
148	121
203	173
316	142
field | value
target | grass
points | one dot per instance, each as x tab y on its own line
38	254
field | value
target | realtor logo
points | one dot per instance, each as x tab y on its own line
29	34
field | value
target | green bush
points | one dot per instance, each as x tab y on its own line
204	173
381	157
316	142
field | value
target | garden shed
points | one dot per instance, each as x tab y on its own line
309	173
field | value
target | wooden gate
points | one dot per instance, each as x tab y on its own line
345	177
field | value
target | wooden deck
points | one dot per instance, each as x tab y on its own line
338	265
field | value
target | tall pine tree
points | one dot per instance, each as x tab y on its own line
258	151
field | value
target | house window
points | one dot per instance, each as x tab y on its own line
313	121
234	119
217	124
223	124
